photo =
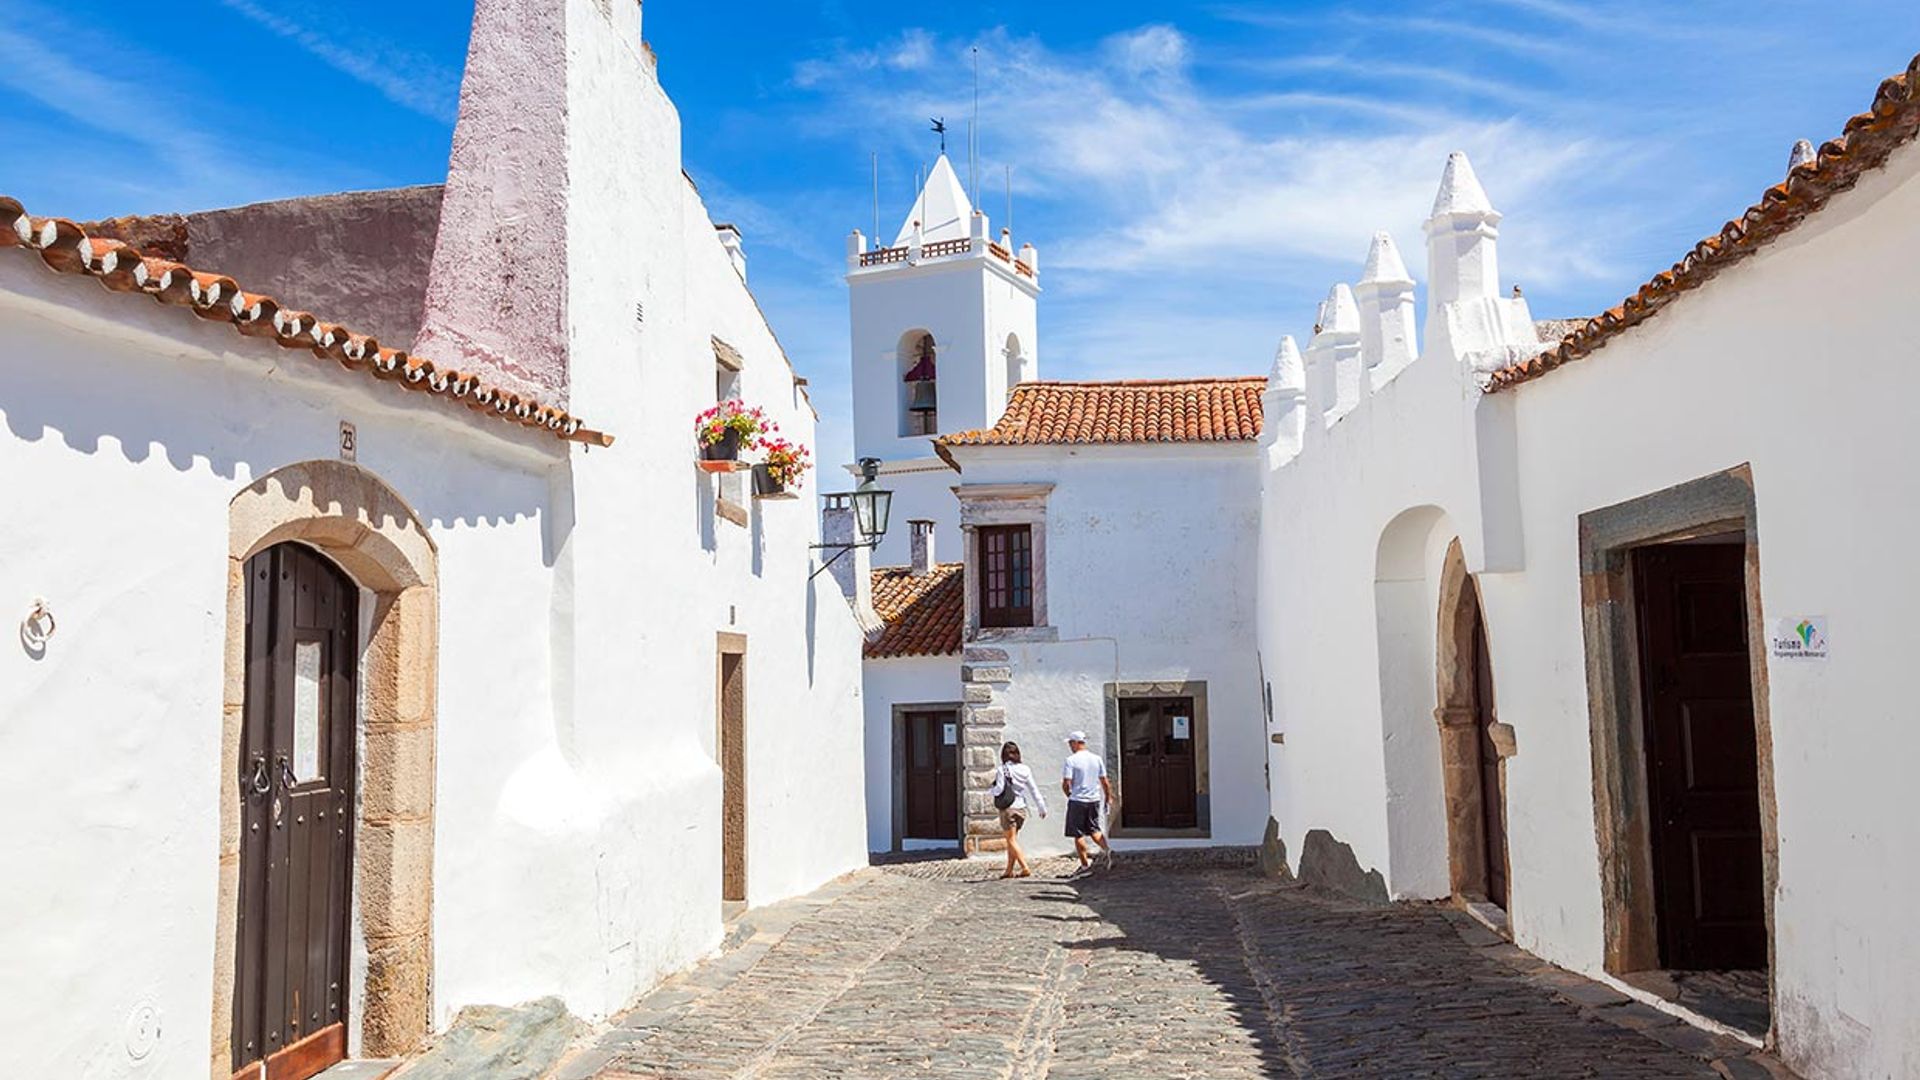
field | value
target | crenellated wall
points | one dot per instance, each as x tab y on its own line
1791	374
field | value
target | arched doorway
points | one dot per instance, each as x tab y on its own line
354	532
1473	742
298	750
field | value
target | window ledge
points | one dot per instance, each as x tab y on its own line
1017	633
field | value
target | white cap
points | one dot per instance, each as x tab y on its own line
1076	736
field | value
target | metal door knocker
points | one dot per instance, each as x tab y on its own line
38	627
261	782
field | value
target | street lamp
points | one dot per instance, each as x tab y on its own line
871	504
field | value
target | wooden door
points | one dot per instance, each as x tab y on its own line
931	786
1703	781
1493	814
733	771
1160	785
296	775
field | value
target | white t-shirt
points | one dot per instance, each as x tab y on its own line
1083	772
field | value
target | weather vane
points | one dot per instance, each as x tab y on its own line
940	128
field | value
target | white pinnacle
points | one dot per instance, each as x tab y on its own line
1340	315
1802	153
1384	265
1289	371
1460	190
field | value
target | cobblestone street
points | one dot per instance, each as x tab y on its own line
1151	970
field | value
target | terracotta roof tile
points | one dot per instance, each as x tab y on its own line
922	614
1128	411
1864	145
67	248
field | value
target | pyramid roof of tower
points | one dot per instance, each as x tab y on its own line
942	208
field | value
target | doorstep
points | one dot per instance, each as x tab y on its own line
1731	1052
359	1070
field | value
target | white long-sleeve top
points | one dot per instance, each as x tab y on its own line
1026	793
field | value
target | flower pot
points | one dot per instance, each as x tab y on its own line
765	484
727	449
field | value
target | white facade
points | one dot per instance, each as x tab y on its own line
1145	566
1795	364
576	798
978	300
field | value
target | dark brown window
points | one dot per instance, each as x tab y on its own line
1006	575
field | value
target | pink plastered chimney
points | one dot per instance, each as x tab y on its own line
497	290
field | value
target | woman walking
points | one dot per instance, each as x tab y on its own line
1014	793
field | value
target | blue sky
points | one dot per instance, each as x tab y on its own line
1195	175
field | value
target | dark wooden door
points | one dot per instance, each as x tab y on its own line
1703	780
932	781
1493	811
733	773
296	774
1159	784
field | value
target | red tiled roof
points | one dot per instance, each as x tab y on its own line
1864	145
922	614
67	248
1128	411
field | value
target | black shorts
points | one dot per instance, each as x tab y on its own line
1083	818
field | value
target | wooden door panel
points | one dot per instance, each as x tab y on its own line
1702	756
931	783
733	770
296	847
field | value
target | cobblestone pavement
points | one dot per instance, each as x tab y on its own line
1156	969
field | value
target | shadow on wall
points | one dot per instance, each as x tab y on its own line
130	399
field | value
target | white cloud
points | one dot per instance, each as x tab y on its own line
1159	174
409	81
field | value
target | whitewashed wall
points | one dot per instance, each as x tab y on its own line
1797	361
906	680
1150	562
578	806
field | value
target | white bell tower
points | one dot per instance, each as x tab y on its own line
944	326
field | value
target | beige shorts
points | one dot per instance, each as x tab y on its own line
1012	820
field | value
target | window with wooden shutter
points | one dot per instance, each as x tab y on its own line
1006	575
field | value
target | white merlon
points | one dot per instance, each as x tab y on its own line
1284	404
856	247
1333	356
1289	373
1467	317
942	209
1385	299
1031	257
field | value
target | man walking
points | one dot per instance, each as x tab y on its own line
1084	779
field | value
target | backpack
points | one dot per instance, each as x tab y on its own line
1004	800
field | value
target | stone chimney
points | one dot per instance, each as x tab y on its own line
922	543
497	288
852	569
1385	298
736	251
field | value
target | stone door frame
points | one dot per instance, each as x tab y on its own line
1720	503
1202	756
965	759
363	526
